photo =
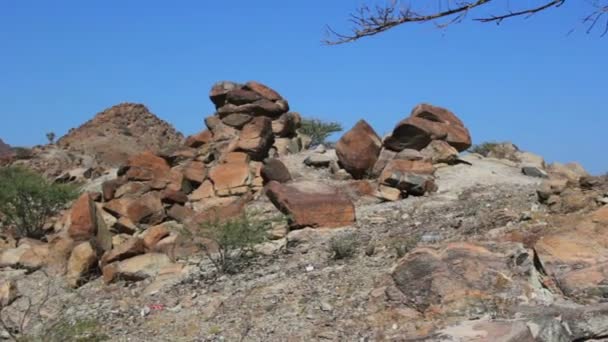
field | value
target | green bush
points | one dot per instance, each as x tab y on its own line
28	200
343	246
319	130
500	150
232	240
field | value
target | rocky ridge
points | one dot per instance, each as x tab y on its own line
449	247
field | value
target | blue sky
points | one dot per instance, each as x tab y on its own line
527	81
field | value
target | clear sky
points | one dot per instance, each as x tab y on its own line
527	81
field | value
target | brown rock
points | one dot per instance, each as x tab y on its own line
132	189
235	157
220	90
229	176
400	167
8	290
256	138
384	158
358	150
601	215
388	193
262	107
153	235
83	218
241	96
275	170
199	139
286	124
312	204
81	262
439	151
465	277
172	197
146	209
132	247
180	213
108	188
125	226
195	172
221	209
263	90
237	120
427	123
204	191
147	166
137	268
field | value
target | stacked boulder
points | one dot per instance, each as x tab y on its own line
403	162
130	227
258	116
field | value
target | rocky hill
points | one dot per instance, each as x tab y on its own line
118	133
407	238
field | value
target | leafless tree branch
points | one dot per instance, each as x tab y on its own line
368	21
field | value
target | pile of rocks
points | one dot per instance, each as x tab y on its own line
404	161
128	227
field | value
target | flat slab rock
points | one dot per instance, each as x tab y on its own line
312	204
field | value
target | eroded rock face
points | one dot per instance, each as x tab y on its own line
83	218
82	260
425	124
576	257
311	204
275	170
358	150
137	268
464	278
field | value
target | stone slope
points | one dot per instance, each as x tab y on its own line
119	132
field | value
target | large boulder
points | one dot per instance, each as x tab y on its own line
147	166
82	260
230	178
358	150
576	257
256	138
467	279
275	170
137	268
425	124
83	218
310	204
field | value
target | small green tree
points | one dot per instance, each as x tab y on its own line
27	200
228	243
319	130
343	246
51	137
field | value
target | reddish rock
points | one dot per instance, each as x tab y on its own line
439	151
312	204
222	209
256	138
132	189
231	175
195	172
146	209
153	235
147	166
125	226
172	197
180	213
358	150
199	139
219	90
83	218
427	123
275	170
407	166
204	191
235	157
263	90
132	247
241	96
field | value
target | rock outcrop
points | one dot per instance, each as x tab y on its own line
6	152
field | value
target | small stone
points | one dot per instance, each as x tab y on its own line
318	160
534	171
325	306
310	268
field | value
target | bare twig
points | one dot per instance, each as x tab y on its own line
368	21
